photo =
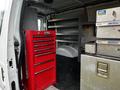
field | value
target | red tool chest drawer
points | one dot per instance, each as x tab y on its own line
40	59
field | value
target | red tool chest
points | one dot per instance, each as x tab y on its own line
40	59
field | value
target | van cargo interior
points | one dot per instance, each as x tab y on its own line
75	24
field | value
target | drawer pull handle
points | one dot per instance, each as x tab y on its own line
43	49
47	33
43	62
35	41
35	46
44	70
44	54
114	14
43	36
102	69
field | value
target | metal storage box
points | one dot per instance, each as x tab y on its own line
91	10
90	48
112	14
108	32
40	59
108	47
99	73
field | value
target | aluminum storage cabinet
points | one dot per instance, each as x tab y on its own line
99	73
40	59
105	15
108	48
108	32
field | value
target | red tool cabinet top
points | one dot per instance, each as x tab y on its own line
40	59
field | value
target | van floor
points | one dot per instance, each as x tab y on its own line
73	86
68	73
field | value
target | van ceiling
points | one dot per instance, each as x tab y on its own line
58	6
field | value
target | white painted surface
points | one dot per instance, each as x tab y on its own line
3	44
13	31
11	17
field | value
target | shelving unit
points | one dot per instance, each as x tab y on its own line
61	34
70	28
61	19
70	34
64	26
87	23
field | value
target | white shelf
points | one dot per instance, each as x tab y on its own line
61	34
62	26
62	19
66	41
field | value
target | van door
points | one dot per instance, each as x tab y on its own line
9	19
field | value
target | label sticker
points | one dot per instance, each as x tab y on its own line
101	12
